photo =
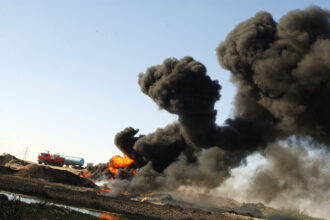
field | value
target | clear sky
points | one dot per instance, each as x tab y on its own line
68	69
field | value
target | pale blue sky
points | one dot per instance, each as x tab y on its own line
68	69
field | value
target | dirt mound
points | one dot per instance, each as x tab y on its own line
7	170
11	161
54	175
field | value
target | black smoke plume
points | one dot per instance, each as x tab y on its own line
282	73
125	141
282	70
182	87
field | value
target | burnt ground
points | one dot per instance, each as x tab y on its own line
65	186
89	198
62	186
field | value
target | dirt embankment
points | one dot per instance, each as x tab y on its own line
10	161
54	175
12	165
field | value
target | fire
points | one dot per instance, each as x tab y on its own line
85	174
105	189
117	162
116	167
112	170
141	200
110	217
145	198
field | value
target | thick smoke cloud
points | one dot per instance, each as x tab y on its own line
282	70
174	155
282	75
183	88
125	141
211	168
195	150
162	147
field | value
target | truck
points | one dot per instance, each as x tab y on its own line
60	160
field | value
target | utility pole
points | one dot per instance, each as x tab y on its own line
25	153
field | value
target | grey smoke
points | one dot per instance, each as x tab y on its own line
292	177
211	168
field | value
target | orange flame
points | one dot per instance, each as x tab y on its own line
145	198
110	217
112	170
117	162
85	174
105	189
